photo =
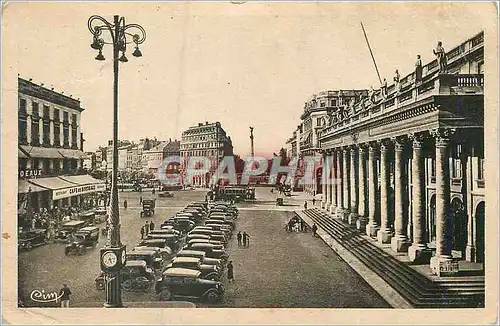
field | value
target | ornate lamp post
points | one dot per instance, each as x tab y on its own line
113	255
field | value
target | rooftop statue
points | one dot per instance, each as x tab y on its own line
440	54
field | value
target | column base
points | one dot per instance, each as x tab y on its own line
384	236
323	204
372	229
419	254
400	243
470	253
332	209
444	266
338	212
353	217
345	215
361	223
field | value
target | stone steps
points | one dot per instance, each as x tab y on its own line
416	288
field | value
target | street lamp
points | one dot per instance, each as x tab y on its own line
113	255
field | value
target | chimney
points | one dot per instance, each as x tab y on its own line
200	124
206	122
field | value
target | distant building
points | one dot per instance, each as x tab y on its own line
207	140
154	157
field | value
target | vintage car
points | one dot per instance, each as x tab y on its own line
187	283
159	243
68	229
171	240
165	253
217	246
208	232
193	216
229	224
169	230
88	217
203	256
148	207
215	242
210	250
170	222
208	272
166	194
183	223
82	239
216	237
153	259
136	276
32	238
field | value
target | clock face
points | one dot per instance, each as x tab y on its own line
124	257
109	259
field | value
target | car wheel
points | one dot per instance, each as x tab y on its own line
81	251
99	284
165	295
127	285
212	297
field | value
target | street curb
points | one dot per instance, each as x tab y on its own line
380	286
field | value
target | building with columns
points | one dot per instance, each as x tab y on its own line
50	148
405	164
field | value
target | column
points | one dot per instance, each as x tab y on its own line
70	134
61	129
418	251
442	263
338	185
28	129
346	184
372	227
362	220
333	185
78	130
470	249
385	233
400	242
327	170
40	130
353	216
323	180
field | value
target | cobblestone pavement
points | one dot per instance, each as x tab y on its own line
278	269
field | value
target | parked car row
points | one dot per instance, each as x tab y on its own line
196	270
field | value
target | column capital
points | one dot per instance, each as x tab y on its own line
373	146
418	139
384	144
399	142
443	136
363	147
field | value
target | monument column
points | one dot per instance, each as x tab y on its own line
400	243
385	233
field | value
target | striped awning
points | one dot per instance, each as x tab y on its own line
25	186
41	152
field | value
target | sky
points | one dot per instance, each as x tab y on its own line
251	64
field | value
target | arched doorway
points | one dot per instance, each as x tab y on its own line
432	220
459	226
319	181
480	232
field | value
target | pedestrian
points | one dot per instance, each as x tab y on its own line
64	293
146	229
153	191
418	70
314	201
314	229
140	200
125	204
246	239
239	239
305	204
142	232
230	274
151	226
302	226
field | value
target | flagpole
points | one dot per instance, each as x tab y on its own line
371	53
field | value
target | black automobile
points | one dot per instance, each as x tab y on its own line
165	253
210	250
171	240
148	207
32	238
187	284
166	231
68	229
208	272
209	233
203	256
183	223
220	245
82	239
158	243
135	276
153	259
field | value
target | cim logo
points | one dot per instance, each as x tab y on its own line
44	297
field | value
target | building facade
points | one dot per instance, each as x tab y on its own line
205	140
154	157
408	161
50	149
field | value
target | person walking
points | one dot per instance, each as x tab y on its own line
64	293
146	229
142	232
239	239
125	204
140	200
314	201
230	272
314	229
246	239
151	226
305	204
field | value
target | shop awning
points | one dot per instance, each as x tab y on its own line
53	183
41	152
21	154
71	153
81	179
24	187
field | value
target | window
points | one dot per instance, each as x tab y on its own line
35	112
319	122
322	104
73	119
46	112
334	102
22	130
65	136
480	67
456	167
57	138
433	167
480	168
35	132
22	106
56	114
65	117
74	138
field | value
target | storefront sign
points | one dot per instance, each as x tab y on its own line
78	190
30	173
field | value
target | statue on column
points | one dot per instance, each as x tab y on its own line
440	54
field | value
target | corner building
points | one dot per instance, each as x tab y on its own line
409	163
